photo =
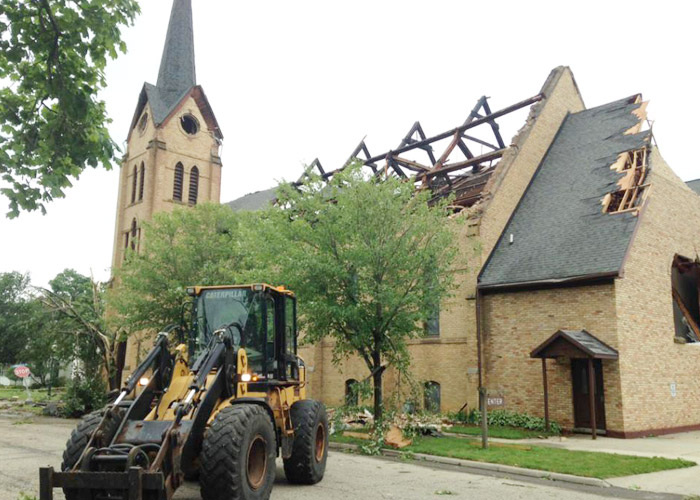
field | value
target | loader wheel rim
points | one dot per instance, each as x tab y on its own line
257	462
320	444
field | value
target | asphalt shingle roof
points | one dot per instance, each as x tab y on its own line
177	75
694	185
581	340
254	201
558	228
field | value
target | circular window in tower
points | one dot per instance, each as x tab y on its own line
189	124
143	122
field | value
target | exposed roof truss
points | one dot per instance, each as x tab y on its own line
458	161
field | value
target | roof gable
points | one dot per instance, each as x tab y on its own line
574	344
162	111
558	230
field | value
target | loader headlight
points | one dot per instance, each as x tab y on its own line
246	377
143	381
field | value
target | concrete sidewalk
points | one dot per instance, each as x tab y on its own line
680	481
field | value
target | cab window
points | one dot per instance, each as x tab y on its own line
289	337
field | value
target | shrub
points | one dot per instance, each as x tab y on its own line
460	417
507	418
84	395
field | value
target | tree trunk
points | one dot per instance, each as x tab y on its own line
378	403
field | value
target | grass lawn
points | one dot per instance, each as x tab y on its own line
38	395
579	463
496	432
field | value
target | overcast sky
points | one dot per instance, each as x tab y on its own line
290	81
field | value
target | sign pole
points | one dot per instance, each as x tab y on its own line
23	372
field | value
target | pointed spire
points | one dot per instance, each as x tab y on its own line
177	71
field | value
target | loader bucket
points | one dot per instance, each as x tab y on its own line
134	484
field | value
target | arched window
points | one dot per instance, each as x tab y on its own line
194	185
177	183
133	185
352	398
134	233
142	180
431	397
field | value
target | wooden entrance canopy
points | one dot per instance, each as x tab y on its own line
578	344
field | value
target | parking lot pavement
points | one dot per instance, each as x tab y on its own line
27	445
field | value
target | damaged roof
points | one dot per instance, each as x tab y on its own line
558	231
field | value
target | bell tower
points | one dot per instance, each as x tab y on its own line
172	156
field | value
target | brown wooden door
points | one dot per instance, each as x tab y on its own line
582	408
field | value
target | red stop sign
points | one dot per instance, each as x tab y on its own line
22	371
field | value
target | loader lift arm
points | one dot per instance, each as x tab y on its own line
126	464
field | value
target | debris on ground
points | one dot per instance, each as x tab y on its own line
357	435
401	426
395	438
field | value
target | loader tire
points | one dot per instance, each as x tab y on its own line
78	441
238	455
307	463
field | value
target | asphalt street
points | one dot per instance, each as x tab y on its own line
29	443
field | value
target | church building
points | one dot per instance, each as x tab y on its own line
577	291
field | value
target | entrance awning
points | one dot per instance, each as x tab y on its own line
574	344
577	344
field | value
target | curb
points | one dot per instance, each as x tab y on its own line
505	469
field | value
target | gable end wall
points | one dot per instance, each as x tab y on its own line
650	360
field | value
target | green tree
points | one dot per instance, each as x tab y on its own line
206	245
81	330
368	259
15	315
52	125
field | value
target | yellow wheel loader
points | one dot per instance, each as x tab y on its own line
221	405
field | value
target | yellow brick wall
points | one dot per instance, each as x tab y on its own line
160	149
515	323
650	361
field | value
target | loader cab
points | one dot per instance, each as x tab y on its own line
258	318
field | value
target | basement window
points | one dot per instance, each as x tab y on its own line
632	186
685	283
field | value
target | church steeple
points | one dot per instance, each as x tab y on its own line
172	156
177	69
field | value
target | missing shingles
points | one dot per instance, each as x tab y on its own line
632	186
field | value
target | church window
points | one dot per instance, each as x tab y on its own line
431	399
142	180
352	395
432	324
194	185
189	124
177	183
143	122
685	291
133	185
134	233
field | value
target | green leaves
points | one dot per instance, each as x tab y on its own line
205	245
52	126
368	259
